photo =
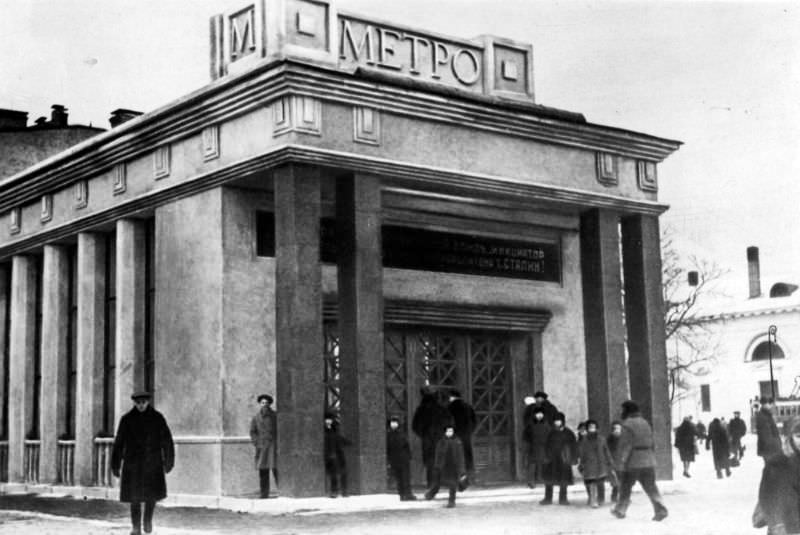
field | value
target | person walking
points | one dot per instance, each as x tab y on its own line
449	465
428	424
263	435
335	465
613	447
769	439
561	452
398	451
719	442
464	420
779	490
595	463
142	454
685	443
637	462
535	437
737	429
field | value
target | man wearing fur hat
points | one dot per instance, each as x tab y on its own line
143	452
637	462
263	434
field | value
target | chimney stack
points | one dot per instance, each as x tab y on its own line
13	120
58	117
121	115
753	272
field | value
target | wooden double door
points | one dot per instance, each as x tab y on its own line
477	363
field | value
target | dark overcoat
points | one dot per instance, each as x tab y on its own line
684	440
779	491
562	452
263	429
464	421
143	448
549	410
398	451
595	458
334	450
428	424
720	444
535	437
449	461
769	439
737	428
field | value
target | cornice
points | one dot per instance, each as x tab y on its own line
396	175
232	96
786	309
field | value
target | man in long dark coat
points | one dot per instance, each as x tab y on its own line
719	442
737	429
144	450
428	424
685	442
263	434
535	436
335	464
769	439
548	408
561	450
464	421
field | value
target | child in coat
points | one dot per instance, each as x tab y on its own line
449	465
398	452
612	441
595	463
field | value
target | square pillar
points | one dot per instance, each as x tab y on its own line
90	351
644	313
55	350
360	286
606	372
130	313
5	301
22	352
298	311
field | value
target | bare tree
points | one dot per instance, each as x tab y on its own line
691	347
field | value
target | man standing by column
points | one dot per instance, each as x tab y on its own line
263	429
144	449
769	439
637	462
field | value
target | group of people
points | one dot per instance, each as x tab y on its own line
624	457
724	439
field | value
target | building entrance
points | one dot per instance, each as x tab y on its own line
477	363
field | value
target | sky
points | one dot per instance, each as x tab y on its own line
722	77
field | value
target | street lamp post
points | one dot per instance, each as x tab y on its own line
773	330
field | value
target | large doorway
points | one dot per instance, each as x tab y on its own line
477	363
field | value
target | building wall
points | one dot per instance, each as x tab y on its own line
20	149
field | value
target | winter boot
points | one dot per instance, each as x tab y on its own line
593	496
562	495
548	495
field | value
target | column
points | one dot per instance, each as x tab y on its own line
298	311
21	356
606	373
644	313
360	286
130	332
55	340
91	349
5	300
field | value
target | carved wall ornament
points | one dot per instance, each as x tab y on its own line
646	175
120	174
15	220
47	207
297	113
161	162
210	137
81	194
607	168
366	125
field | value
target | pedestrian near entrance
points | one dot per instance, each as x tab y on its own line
562	453
779	490
719	442
550	410
613	447
263	434
685	442
595	463
464	421
450	466
335	465
737	429
769	439
398	452
428	424
143	452
535	437
637	462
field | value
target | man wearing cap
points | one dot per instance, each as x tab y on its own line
144	450
769	439
550	410
637	462
263	429
737	429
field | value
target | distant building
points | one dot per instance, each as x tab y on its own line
21	145
736	335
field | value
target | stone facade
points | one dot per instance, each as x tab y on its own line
319	226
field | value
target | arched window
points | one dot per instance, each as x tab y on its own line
762	350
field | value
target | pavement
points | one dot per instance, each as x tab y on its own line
701	504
